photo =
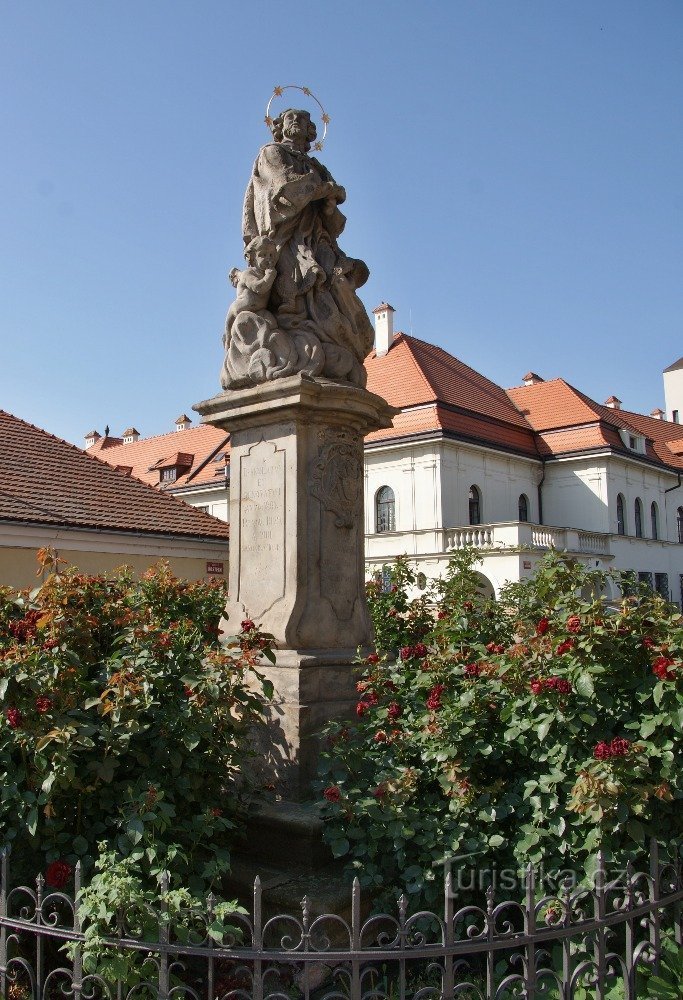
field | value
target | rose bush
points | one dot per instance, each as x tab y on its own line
539	728
123	721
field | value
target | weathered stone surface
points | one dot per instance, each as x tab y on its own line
296	308
297	549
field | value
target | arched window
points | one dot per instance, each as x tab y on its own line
654	520
523	507
475	505
679	524
621	519
385	509
638	510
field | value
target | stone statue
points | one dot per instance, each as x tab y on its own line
296	308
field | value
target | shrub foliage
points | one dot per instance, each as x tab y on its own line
123	723
537	729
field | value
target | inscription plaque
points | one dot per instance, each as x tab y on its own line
262	528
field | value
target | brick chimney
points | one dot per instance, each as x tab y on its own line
91	437
613	403
657	413
384	328
531	378
183	422
130	435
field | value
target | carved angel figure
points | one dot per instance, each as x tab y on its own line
312	320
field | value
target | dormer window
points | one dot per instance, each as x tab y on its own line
172	467
634	442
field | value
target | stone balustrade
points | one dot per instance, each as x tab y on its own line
508	535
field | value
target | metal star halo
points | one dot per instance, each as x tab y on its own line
278	92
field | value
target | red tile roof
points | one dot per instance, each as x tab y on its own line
44	480
197	466
414	373
551	407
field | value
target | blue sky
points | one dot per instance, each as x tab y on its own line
514	176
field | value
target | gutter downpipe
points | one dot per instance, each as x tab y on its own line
539	489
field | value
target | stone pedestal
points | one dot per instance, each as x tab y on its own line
297	547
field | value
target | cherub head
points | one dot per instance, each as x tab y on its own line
261	252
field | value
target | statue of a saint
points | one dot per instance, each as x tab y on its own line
296	308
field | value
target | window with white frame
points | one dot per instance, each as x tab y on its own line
638	517
474	501
385	509
621	515
523	507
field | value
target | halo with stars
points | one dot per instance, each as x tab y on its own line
324	117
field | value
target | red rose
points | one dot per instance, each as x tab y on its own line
574	624
467	605
361	709
619	747
14	718
472	670
380	791
390	686
420	650
564	647
247	625
648	643
43	704
563	686
187	691
660	668
394	711
332	794
406	652
536	686
542	626
490	647
380	736
58	874
499	649
371	697
434	697
361	686
372	658
602	751
216	812
441	615
50	644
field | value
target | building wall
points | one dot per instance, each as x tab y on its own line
102	552
575	494
673	394
499	478
215	500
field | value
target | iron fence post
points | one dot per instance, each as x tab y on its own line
655	920
77	963
355	940
449	935
257	980
4	877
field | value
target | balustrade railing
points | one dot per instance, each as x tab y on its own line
553	945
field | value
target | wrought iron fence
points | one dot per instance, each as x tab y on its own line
553	946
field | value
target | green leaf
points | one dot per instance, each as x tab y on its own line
636	831
584	685
135	829
340	847
544	728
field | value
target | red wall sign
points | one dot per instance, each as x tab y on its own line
214	568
